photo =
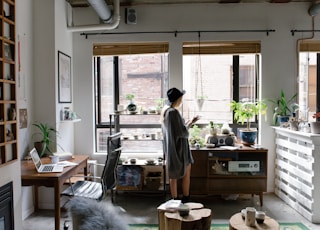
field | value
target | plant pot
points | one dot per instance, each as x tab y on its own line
131	107
248	137
39	147
213	131
200	103
282	119
315	127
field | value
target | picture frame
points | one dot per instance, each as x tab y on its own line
64	78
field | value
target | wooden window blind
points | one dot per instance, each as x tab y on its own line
188	48
221	47
310	46
115	49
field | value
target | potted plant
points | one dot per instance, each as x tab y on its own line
214	128
283	108
244	111
131	106
45	133
195	136
200	102
160	103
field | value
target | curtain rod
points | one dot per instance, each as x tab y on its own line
293	31
183	31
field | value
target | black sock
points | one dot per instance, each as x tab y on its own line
185	199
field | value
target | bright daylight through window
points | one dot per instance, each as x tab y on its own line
138	73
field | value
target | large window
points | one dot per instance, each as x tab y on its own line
144	75
122	69
309	79
218	79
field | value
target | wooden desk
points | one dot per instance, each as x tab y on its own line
30	176
237	223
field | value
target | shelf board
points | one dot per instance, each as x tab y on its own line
70	121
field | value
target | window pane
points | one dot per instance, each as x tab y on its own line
146	77
247	77
107	87
307	85
211	77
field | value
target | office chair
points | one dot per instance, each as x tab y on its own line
97	187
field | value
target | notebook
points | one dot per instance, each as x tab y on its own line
44	168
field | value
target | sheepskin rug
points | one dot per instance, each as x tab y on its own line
89	214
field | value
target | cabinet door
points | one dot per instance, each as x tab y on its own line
199	168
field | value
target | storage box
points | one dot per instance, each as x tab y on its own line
129	177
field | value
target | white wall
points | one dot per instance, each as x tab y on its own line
45	33
278	51
41	26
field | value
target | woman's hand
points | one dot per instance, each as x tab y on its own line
194	120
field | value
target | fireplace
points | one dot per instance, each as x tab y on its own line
6	207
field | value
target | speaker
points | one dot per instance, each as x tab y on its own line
221	140
131	16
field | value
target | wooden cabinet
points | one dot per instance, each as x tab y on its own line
229	171
8	100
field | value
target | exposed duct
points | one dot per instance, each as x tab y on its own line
314	9
100	6
105	14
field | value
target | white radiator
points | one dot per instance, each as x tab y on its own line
297	171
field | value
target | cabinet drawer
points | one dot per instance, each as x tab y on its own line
240	185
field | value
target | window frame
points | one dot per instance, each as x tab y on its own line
111	125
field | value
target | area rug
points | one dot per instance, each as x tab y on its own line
283	226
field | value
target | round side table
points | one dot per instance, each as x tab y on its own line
237	223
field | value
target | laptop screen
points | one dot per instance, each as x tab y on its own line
35	157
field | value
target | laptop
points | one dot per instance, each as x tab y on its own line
44	168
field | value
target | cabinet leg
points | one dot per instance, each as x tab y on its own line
261	198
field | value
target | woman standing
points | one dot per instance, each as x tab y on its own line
176	144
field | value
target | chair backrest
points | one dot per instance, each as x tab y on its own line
114	150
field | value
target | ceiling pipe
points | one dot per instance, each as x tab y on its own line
314	9
102	9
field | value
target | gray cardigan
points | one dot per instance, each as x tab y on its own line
175	143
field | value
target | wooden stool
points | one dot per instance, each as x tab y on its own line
198	218
237	223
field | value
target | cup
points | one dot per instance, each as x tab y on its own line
260	216
153	136
54	159
120	108
250	218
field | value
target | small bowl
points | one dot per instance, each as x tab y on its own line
183	210
260	216
133	160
